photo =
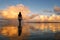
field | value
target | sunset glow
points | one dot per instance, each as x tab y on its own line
12	11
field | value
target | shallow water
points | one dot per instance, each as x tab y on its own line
30	31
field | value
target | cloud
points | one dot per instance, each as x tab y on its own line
49	11
0	14
12	11
46	12
57	10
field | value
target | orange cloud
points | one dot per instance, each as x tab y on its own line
57	9
12	11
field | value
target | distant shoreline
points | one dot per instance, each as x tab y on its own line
42	22
2	20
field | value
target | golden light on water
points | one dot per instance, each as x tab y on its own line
13	30
9	31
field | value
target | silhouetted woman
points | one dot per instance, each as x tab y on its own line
19	27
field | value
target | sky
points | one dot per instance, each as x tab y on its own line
34	5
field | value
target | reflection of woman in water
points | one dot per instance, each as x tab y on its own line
19	27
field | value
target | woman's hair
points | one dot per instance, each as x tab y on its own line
20	15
